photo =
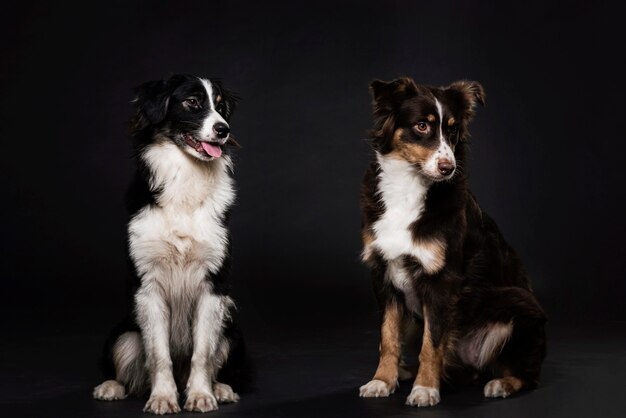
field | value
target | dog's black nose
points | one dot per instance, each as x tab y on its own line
221	129
445	166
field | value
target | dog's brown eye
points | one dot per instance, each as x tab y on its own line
422	127
192	102
454	129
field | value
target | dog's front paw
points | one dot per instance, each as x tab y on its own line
201	402
423	396
162	404
375	389
224	393
109	390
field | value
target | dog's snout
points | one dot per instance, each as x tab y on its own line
221	129
445	166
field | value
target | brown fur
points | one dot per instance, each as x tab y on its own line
390	346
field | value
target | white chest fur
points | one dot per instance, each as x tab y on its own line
182	237
403	194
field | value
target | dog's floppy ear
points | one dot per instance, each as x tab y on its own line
151	101
471	92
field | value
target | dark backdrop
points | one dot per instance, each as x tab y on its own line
546	157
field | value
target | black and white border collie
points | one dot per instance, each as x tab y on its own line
437	260
180	333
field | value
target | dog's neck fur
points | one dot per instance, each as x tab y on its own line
180	181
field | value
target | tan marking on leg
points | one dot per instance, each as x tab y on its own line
390	350
431	254
431	359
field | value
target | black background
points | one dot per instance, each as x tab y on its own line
545	163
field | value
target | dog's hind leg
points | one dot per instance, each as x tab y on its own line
128	362
512	341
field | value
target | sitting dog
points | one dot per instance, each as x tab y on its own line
437	260
180	333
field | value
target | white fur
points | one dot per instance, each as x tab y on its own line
213	117
403	193
430	167
493	341
109	390
401	280
495	389
173	244
375	389
423	396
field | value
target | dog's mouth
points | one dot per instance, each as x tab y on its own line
211	149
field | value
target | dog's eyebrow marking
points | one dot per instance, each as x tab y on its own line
451	121
218	99
431	118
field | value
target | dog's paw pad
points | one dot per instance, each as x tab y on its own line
498	388
224	393
423	396
109	390
374	389
162	404
201	402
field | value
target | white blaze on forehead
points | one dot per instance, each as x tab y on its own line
430	166
212	116
440	112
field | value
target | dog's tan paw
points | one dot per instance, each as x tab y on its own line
224	393
201	402
162	404
110	390
423	396
375	389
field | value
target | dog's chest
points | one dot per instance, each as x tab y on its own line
184	233
403	195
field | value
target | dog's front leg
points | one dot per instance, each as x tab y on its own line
386	377
425	390
154	319
211	311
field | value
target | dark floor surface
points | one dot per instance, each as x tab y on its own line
317	374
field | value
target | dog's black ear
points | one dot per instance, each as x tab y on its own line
229	98
151	102
468	94
388	95
471	92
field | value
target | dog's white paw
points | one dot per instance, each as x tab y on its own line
201	402
375	389
423	396
224	393
109	390
162	404
498	388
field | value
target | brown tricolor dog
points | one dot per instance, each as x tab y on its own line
438	261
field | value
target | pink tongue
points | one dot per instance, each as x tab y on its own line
213	150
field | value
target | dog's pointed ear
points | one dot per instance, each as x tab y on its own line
389	94
472	93
151	103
